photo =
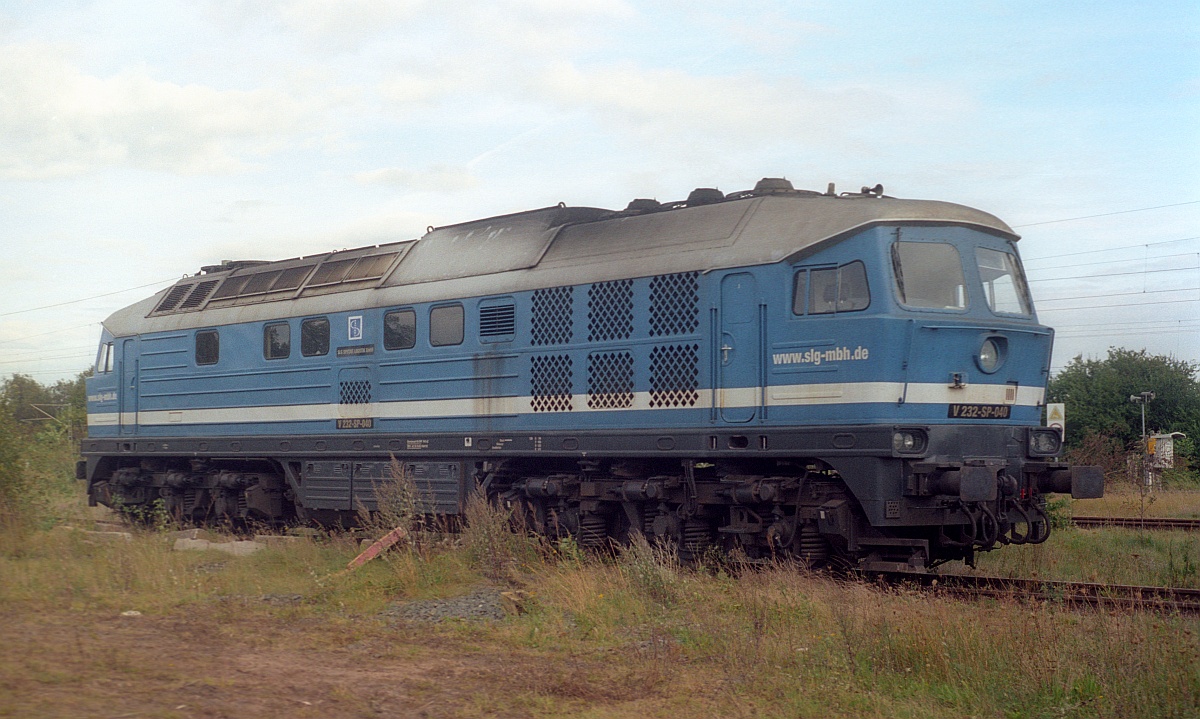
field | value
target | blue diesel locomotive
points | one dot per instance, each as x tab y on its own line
851	378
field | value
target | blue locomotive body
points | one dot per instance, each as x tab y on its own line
777	369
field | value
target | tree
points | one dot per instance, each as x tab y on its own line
1097	393
32	404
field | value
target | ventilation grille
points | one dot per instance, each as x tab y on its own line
674	304
198	295
356	391
610	380
675	376
497	321
552	309
550	383
171	301
610	311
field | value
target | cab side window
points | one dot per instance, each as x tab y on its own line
104	360
208	347
828	290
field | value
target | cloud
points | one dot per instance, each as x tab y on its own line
58	121
438	178
737	109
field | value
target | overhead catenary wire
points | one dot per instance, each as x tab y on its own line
1125	304
1108	249
1108	214
1118	294
1115	274
51	332
86	299
1125	260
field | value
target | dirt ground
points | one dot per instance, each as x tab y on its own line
208	664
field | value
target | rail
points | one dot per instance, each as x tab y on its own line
1069	594
1188	525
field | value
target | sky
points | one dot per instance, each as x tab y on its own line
142	140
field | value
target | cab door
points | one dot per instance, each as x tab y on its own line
738	352
129	386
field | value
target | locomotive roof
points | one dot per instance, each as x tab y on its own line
540	248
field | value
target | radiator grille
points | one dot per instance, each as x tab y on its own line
610	311
674	304
675	376
552	309
356	391
610	380
550	389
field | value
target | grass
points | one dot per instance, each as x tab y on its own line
287	632
1110	556
633	635
1124	500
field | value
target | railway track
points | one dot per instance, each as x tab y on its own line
1171	600
1069	594
1188	525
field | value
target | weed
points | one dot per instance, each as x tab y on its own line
1059	511
496	540
652	570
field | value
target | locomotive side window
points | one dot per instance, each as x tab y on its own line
853	293
208	347
399	330
277	341
822	292
1003	283
314	337
104	361
929	275
833	289
446	325
800	292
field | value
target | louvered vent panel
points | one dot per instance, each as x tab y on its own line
674	304
675	376
550	383
610	380
610	311
198	295
171	301
551	316
497	321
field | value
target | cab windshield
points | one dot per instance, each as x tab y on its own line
929	275
1003	282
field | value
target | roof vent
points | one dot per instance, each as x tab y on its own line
773	184
643	205
704	196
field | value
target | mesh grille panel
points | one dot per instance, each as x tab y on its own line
610	380
356	391
674	304
550	383
675	376
551	315
610	311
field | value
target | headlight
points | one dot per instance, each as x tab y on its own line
1044	442
908	441
991	354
